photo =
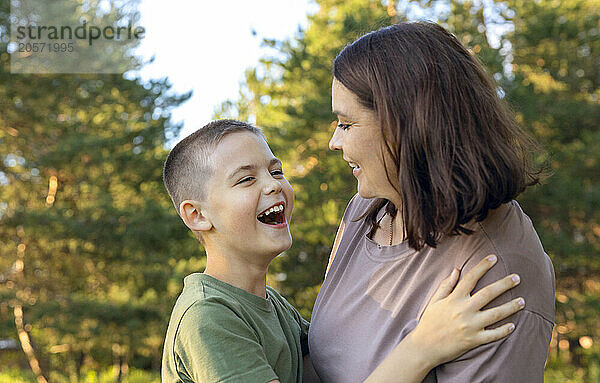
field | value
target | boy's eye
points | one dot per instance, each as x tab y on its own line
343	126
245	180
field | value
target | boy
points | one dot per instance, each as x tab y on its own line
227	325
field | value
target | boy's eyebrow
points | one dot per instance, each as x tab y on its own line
274	161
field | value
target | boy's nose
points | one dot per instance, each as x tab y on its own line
335	143
273	187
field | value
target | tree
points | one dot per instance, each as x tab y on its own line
556	90
92	254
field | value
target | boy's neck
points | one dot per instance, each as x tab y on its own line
238	273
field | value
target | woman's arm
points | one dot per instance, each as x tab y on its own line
451	325
336	244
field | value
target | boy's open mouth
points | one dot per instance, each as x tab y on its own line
273	215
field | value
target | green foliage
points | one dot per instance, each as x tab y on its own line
92	376
91	247
16	376
556	91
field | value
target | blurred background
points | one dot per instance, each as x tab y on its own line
92	253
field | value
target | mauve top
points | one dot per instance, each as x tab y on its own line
373	296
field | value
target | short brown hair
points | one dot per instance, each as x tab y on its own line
188	166
457	149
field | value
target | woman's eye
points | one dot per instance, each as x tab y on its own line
245	180
343	126
277	172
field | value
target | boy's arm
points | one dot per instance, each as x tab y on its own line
216	345
309	375
404	364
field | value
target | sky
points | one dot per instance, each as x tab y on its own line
205	46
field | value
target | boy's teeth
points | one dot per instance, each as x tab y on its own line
277	208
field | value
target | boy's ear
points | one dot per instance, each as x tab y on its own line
191	214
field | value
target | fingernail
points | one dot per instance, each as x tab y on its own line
492	258
511	327
516	278
521	302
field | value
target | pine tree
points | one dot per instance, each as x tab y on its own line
93	255
556	91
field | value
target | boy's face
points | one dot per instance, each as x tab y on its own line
247	182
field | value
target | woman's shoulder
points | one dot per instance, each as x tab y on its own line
508	224
509	233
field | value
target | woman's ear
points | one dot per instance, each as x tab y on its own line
190	212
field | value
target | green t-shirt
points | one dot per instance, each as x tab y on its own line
221	333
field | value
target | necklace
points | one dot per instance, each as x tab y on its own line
391	229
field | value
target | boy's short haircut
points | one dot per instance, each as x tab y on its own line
188	166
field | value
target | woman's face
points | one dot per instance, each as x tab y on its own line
358	136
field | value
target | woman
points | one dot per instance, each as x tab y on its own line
439	160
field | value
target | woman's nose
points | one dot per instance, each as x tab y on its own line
335	143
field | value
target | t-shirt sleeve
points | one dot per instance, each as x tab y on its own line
213	344
519	357
304	326
303	323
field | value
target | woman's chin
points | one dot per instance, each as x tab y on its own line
368	193
364	192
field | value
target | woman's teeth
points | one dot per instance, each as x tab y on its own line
353	165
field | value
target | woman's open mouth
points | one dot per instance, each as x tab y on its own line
273	216
355	168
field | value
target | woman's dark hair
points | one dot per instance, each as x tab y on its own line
457	149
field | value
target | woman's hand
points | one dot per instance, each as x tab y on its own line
452	322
